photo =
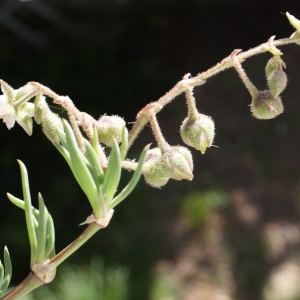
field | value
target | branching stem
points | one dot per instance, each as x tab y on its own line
187	83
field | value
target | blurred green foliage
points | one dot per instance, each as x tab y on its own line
197	205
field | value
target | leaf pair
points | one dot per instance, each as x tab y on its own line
40	225
100	187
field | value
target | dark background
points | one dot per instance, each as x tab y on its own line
114	57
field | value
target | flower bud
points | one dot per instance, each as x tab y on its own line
198	132
152	170
40	105
110	127
177	163
50	123
49	120
265	106
276	77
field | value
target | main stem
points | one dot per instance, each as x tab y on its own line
65	253
31	282
27	285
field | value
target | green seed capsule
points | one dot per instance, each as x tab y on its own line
110	128
198	132
177	163
265	106
152	170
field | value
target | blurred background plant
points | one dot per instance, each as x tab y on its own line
245	244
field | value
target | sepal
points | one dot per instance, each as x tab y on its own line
276	77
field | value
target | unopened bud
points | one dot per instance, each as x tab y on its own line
40	105
198	132
152	169
50	123
178	163
49	120
276	77
110	127
265	106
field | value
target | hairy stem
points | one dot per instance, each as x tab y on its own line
186	83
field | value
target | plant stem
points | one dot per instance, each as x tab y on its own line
161	142
65	253
238	67
191	103
27	285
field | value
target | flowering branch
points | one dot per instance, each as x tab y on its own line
82	140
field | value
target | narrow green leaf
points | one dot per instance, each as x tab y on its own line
124	145
7	263
112	174
96	141
95	164
21	204
62	137
133	182
28	213
50	238
50	225
5	284
81	170
1	274
42	230
65	153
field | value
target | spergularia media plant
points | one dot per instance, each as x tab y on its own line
81	140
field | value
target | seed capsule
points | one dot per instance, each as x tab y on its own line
198	132
110	127
265	106
152	170
177	163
